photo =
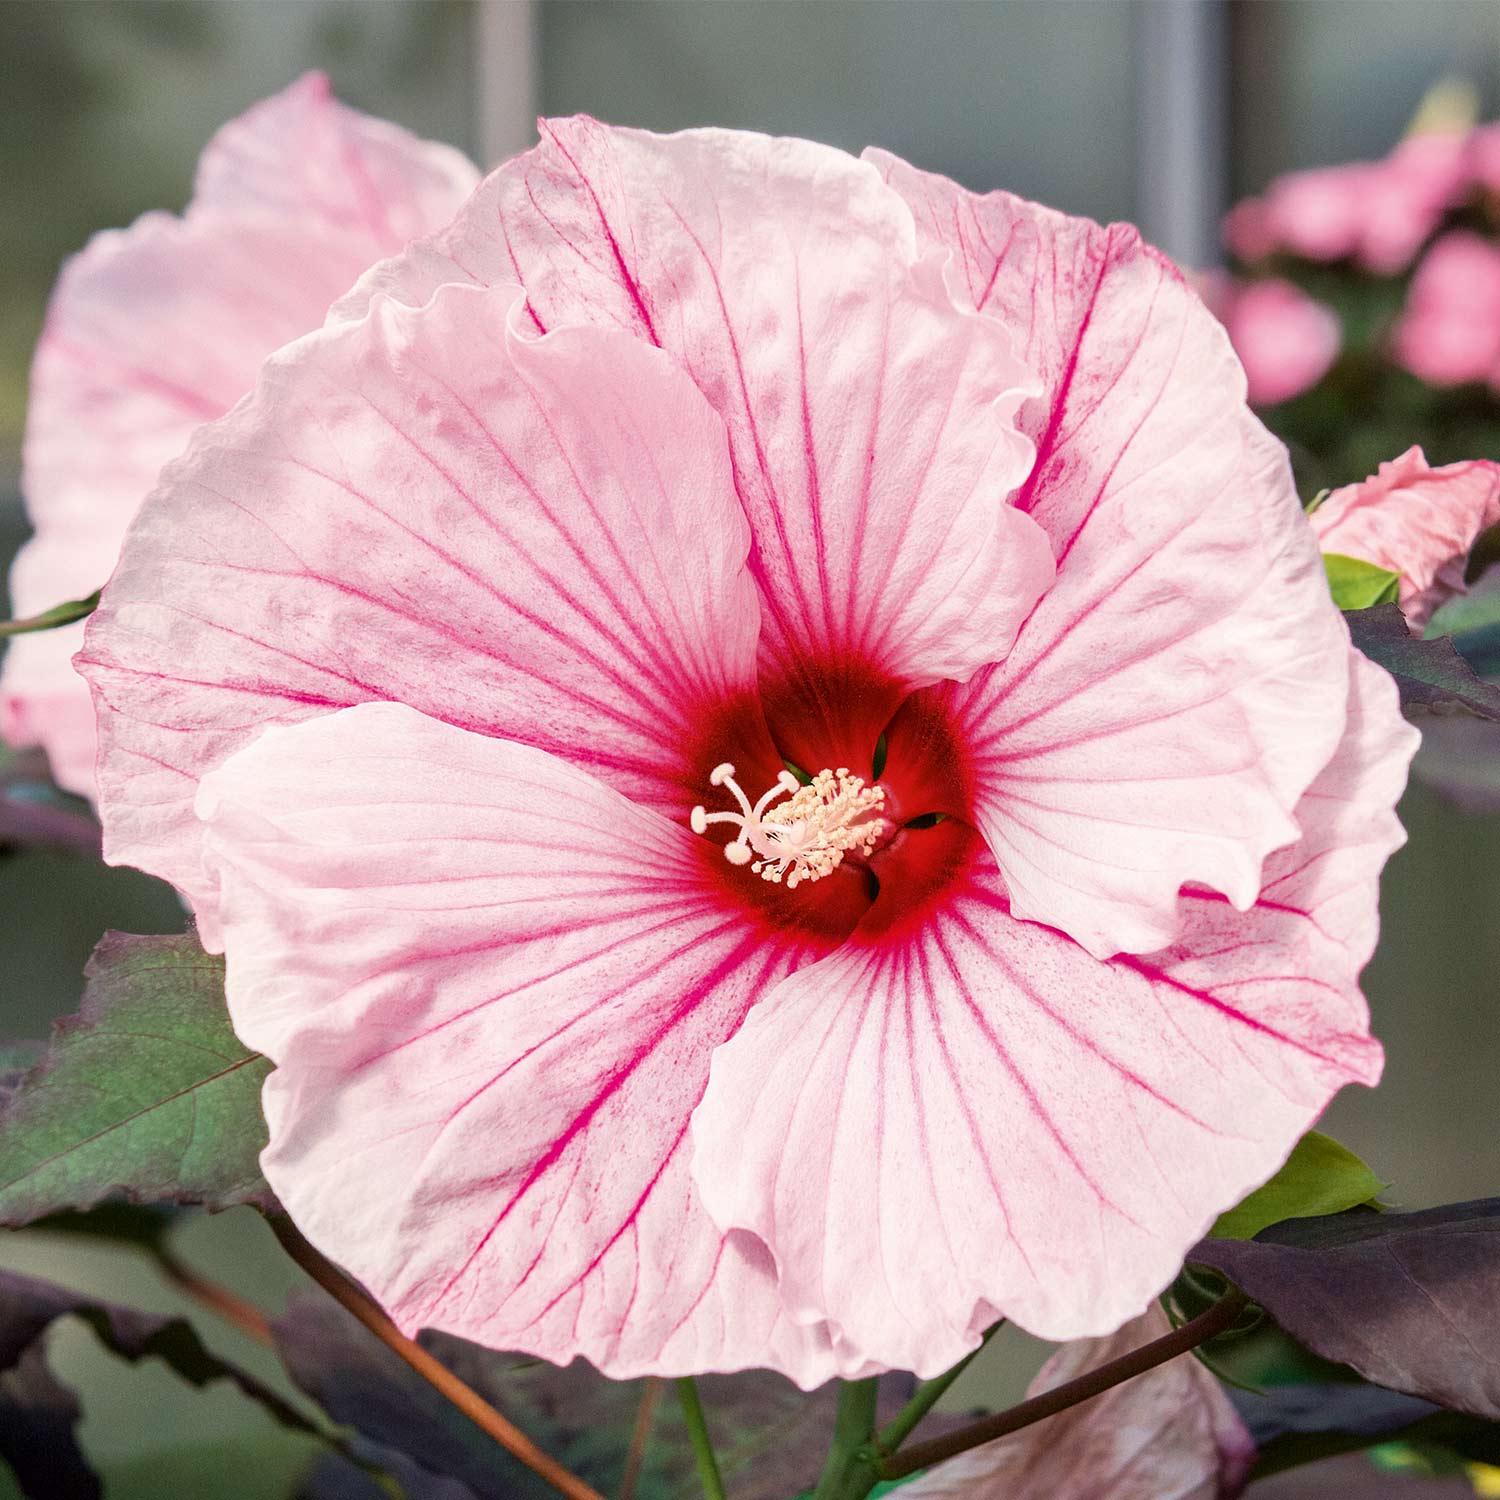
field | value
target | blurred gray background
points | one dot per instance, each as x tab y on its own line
1154	110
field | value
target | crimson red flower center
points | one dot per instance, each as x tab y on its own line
905	773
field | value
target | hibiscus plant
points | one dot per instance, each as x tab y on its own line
770	775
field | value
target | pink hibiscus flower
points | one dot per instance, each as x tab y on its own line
155	329
672	457
1170	1434
1412	519
1286	341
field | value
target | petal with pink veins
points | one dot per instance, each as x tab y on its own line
1183	681
155	329
871	419
491	986
965	1116
303	154
1170	1434
534	537
1412	519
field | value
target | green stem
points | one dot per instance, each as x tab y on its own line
926	1396
703	1448
850	1473
1220	1317
54	618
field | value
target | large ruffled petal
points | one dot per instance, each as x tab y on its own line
529	537
1412	519
965	1116
870	418
491	986
157	328
1183	681
1170	1434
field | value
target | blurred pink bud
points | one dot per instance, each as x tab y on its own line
1406	196
1248	232
1450	331
1319	214
1379	213
1484	156
1286	341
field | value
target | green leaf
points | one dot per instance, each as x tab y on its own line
146	1093
1356	584
1319	1177
1479	608
1473	620
54	618
1430	674
1481	649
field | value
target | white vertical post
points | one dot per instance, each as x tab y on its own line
1182	165
507	65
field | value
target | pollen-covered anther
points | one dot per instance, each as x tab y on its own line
805	838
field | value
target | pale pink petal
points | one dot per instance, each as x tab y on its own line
43	701
491	986
870	418
1170	1434
968	1117
155	329
1412	519
1183	681
1286	341
534	537
302	153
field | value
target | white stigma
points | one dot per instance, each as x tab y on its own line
806	838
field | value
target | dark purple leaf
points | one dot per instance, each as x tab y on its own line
771	1438
1409	1300
35	813
1460	757
362	1384
1369	1412
38	1432
38	1415
334	1477
1299	1424
29	1307
1430	673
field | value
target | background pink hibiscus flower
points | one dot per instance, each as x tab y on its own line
155	329
1412	519
711	449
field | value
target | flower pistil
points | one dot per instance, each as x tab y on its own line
805	838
